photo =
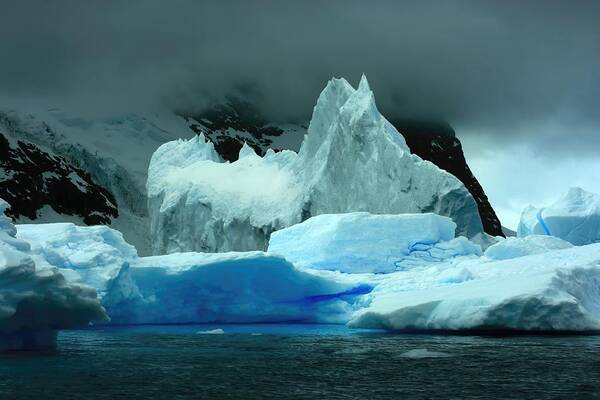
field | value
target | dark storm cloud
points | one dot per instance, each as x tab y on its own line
501	66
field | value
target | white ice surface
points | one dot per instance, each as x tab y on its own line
575	218
225	287
35	304
554	291
85	254
533	283
352	159
513	247
363	242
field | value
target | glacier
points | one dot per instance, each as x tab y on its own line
362	242
352	159
36	303
114	148
575	217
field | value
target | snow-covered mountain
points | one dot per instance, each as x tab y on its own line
59	166
62	165
34	179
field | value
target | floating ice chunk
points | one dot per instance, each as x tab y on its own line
87	254
513	247
575	218
35	304
226	287
552	291
217	331
363	242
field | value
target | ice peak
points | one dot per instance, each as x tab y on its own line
576	192
336	93
246	151
360	108
363	86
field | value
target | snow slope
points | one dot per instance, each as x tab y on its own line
352	159
110	152
363	242
575	218
35	304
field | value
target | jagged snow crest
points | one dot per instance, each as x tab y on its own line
352	159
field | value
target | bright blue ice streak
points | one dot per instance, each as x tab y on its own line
542	222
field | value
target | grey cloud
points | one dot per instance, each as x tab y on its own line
495	68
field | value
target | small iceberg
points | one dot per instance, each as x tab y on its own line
217	331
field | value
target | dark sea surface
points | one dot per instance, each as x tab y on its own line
301	362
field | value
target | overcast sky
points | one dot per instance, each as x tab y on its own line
519	80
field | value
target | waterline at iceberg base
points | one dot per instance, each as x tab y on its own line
352	230
432	282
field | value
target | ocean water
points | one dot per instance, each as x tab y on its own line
300	362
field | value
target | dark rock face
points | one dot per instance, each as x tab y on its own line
231	124
436	142
31	178
508	232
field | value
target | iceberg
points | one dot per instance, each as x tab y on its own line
398	272
185	287
36	304
352	159
553	291
224	288
362	242
91	255
575	218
